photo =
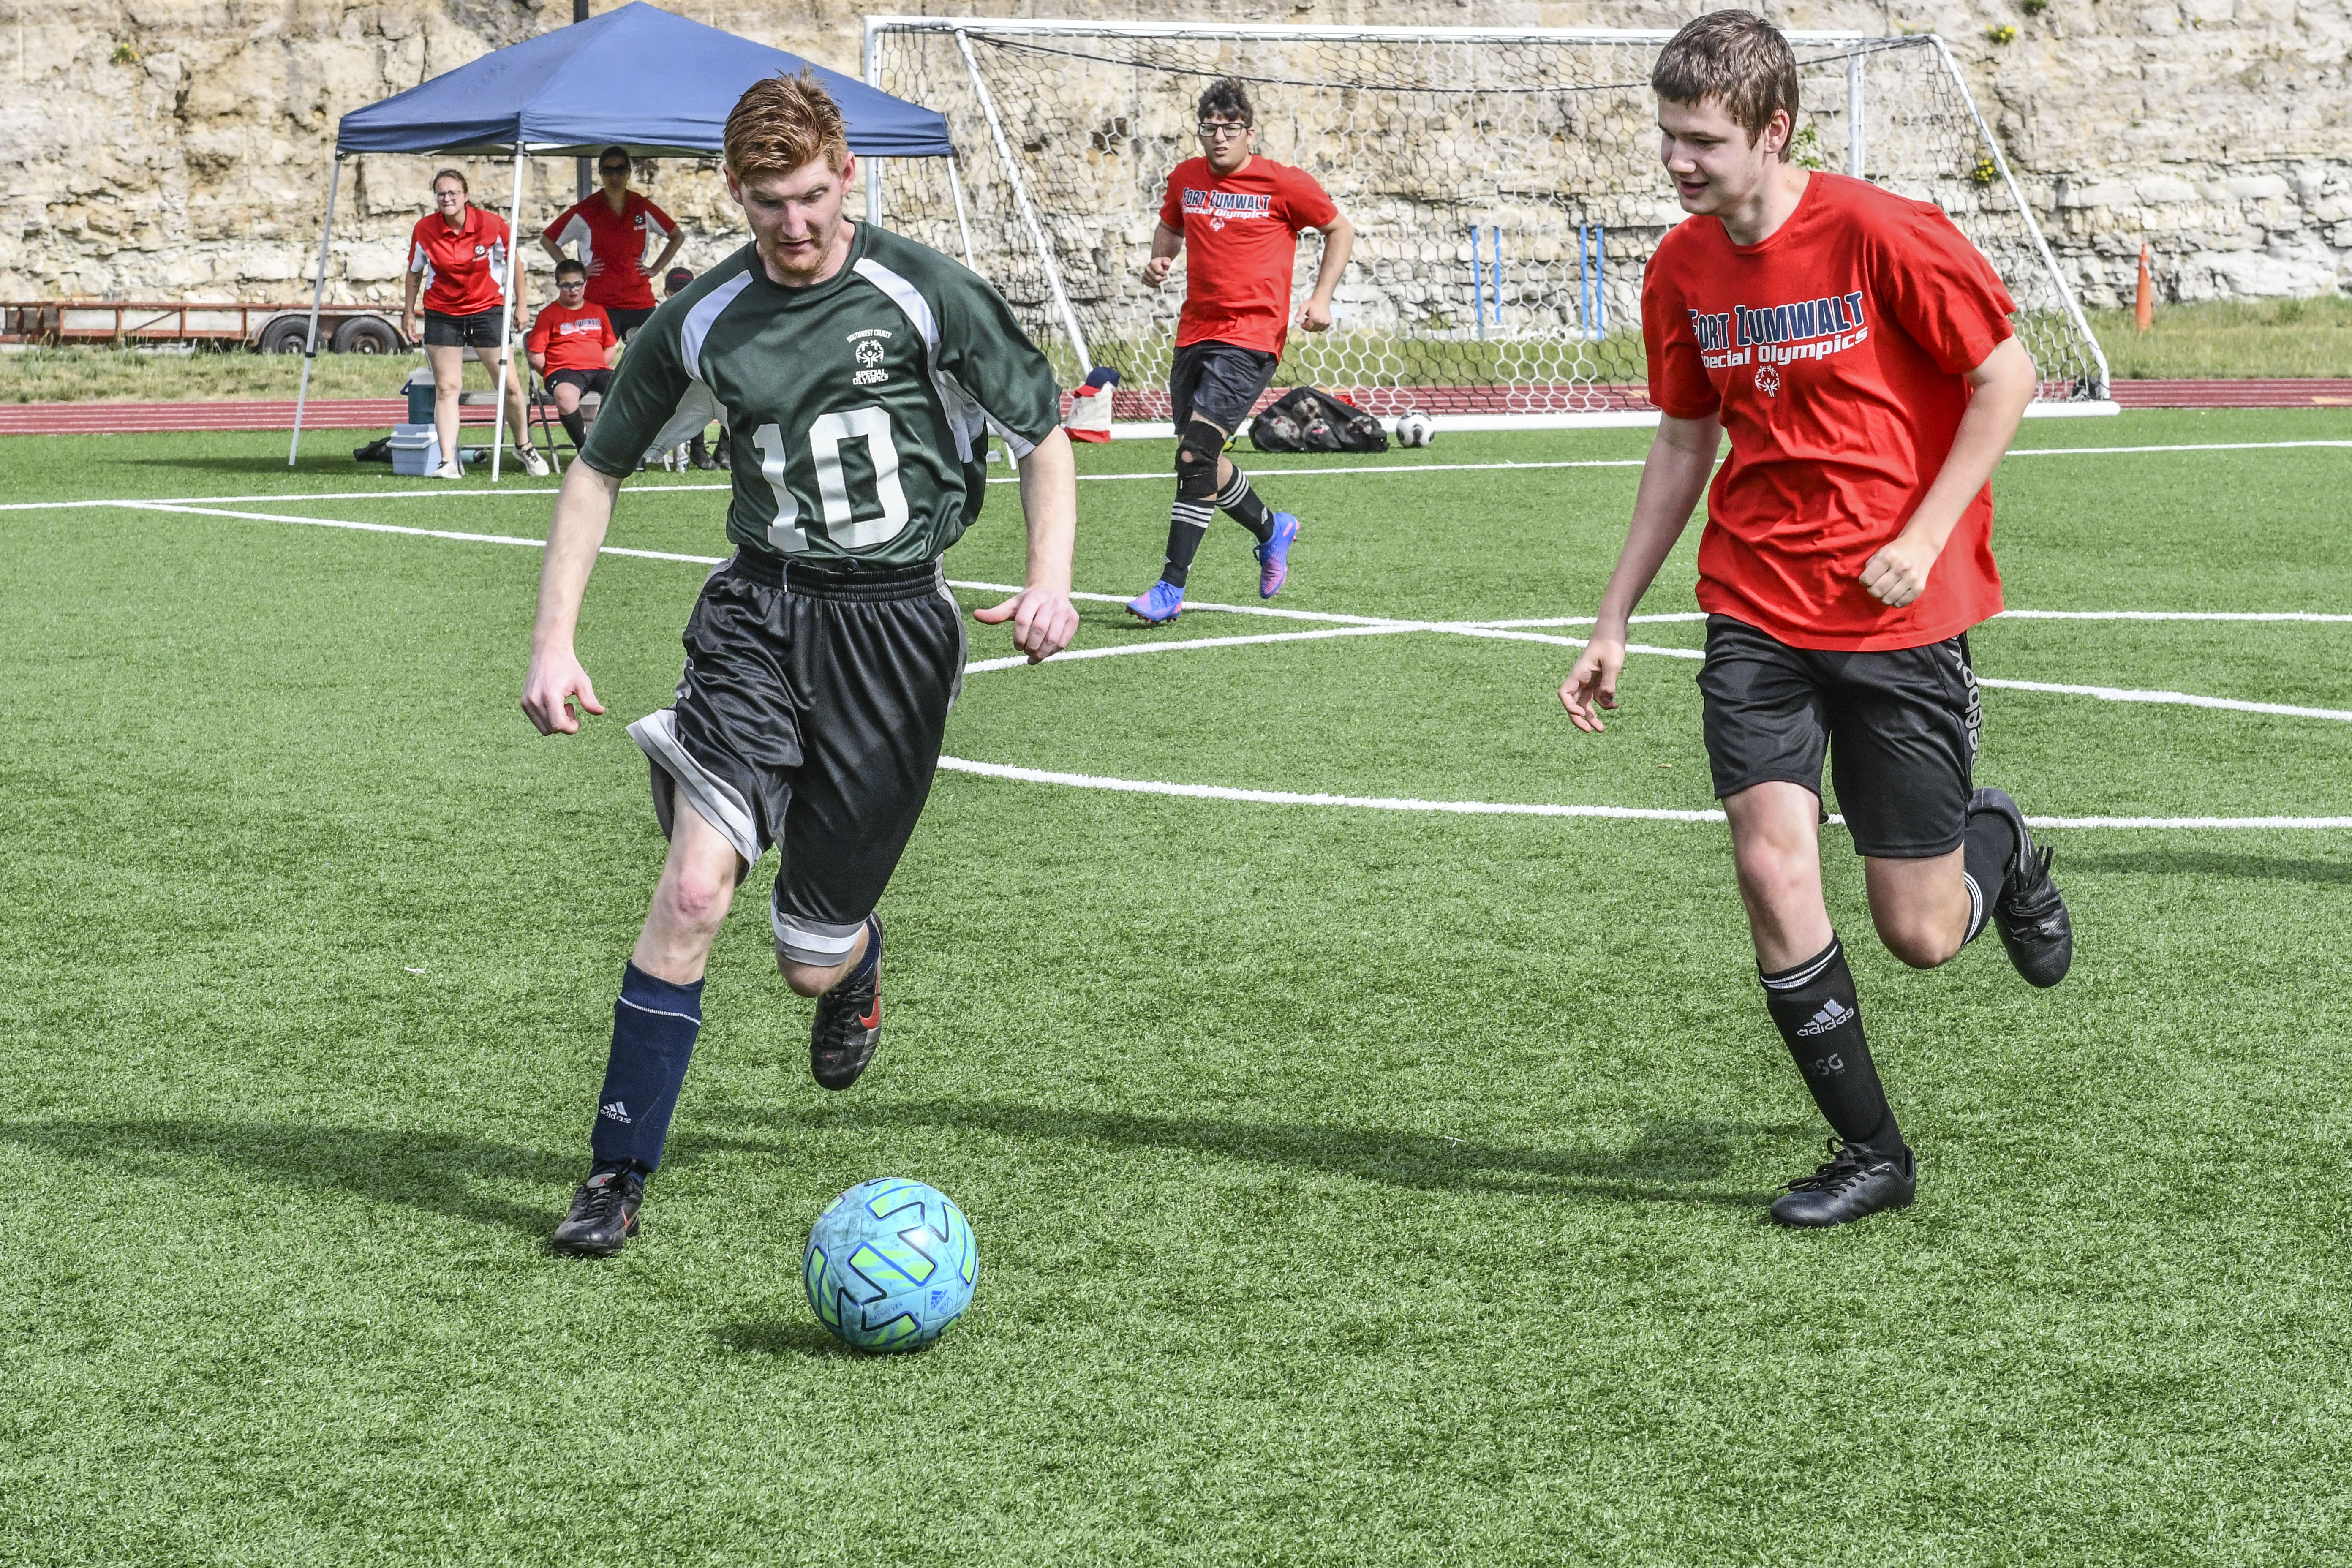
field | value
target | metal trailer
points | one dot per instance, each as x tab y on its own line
265	328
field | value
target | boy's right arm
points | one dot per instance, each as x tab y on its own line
1672	478
583	509
1165	243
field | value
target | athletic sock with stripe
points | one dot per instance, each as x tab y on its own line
1240	502
1186	521
1814	1007
1986	850
655	1024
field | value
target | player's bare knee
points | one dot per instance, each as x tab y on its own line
1917	943
1770	873
696	897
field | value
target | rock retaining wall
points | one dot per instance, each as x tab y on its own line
178	148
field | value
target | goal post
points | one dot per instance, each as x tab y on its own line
1504	186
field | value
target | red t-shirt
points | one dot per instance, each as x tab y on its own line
1835	351
620	237
462	266
571	340
1241	234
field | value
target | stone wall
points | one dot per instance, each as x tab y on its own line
179	147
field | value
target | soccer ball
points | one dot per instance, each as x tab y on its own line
890	1263
1415	429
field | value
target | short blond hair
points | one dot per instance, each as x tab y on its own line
784	123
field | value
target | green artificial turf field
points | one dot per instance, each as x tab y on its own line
1352	1185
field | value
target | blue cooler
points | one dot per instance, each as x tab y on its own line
419	388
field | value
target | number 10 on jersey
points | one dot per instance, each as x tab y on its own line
887	514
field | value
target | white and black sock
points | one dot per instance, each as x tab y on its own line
1240	502
1814	1005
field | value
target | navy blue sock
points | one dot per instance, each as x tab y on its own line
865	969
654	1026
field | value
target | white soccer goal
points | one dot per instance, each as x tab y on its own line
1504	184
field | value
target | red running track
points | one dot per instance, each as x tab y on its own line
383	413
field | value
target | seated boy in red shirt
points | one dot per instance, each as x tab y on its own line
573	347
1857	350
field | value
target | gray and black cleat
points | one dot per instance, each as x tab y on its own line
1852	1184
2029	911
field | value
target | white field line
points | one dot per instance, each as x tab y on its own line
1362	623
2170	615
2177	699
1538	809
508	492
1366	626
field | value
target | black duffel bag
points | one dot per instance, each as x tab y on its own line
1309	419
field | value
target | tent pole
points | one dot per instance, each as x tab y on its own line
318	288
506	322
955	188
872	62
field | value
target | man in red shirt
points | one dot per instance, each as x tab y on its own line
1241	215
1857	350
613	229
572	346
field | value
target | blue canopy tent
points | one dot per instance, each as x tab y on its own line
638	77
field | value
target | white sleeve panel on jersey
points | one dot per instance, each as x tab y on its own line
966	416
418	261
575	232
698	408
696	325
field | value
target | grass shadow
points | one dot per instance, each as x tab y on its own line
1671	1161
809	1340
2214	863
418	1170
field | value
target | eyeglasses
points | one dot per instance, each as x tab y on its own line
1217	130
568	284
612	168
446	195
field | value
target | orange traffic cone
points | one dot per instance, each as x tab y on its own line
2144	303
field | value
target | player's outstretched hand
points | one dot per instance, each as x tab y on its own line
555	681
1592	684
1898	573
1044	621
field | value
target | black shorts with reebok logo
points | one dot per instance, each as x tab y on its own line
478	331
1899	727
810	717
1220	382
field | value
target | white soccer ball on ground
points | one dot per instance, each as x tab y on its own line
1415	428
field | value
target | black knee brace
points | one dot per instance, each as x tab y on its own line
1196	462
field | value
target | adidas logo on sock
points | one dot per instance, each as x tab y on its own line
620	1112
1830	1016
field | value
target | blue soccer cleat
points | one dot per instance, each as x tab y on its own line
1274	555
1162	603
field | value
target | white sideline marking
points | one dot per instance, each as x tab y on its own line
2169	616
508	492
1367	626
1541	808
2177	699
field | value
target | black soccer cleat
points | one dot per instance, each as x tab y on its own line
848	1023
2028	911
604	1212
1852	1184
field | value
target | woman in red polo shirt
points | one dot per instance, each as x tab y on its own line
456	255
613	229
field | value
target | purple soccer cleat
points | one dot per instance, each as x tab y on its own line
1163	602
1274	555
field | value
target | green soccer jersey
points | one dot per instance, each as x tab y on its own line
859	408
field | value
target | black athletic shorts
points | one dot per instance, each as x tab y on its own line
809	717
478	331
626	320
1900	728
1220	382
596	380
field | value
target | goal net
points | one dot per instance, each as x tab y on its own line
1504	186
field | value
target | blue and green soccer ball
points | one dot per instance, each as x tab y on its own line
890	1265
